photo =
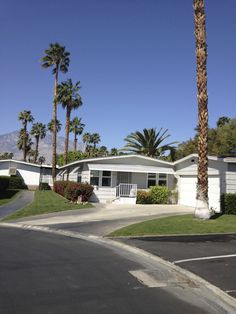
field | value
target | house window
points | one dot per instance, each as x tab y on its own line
162	179
94	177
151	180
79	177
106	178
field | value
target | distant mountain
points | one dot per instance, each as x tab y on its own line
8	143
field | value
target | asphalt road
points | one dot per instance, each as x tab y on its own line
220	271
48	273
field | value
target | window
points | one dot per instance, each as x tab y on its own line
151	179
94	177
162	180
106	178
79	177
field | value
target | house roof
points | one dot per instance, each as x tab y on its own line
87	160
194	156
25	163
130	168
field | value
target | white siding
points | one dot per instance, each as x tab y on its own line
140	179
230	182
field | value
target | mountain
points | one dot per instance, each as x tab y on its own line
8	143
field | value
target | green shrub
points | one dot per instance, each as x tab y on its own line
4	183
43	186
16	182
228	203
159	194
85	190
71	190
143	197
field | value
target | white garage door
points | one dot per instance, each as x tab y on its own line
187	191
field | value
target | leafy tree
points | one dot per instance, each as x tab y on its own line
201	57
39	132
25	117
222	121
148	142
70	99
6	155
58	126
57	58
72	156
77	127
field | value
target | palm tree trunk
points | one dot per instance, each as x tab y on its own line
75	141
24	141
68	111
54	131
202	210
36	149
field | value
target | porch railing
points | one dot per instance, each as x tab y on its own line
126	190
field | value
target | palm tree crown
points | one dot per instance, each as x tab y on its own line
58	126
77	127
38	130
95	139
148	142
25	117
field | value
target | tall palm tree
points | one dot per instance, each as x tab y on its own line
51	123
202	208
24	142
86	138
70	99
95	139
57	58
25	117
148	142
77	127
38	130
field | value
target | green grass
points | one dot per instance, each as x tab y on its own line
8	196
184	224
45	202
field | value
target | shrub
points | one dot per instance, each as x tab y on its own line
159	194
43	186
85	190
228	203
143	197
60	186
71	191
16	182
4	183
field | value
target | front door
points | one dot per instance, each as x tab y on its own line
123	177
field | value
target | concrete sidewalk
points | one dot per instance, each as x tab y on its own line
107	212
24	199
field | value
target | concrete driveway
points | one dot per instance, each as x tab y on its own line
103	219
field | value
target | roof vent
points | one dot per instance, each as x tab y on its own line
12	171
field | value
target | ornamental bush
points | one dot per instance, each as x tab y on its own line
4	183
159	194
228	203
71	190
16	182
85	190
60	186
143	197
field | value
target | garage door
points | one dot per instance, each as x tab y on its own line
187	191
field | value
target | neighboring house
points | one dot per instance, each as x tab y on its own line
31	173
117	178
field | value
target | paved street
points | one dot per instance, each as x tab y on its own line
212	257
47	273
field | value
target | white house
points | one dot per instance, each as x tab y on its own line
117	178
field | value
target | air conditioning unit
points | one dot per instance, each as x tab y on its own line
12	171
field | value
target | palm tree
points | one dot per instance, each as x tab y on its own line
58	58
103	152
86	138
70	99
95	139
39	132
77	127
148	142
24	142
202	209
114	152
25	117
50	126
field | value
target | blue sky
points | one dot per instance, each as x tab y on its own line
135	60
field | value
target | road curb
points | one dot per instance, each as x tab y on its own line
221	295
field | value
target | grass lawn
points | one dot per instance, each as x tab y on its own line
184	224
8	196
45	202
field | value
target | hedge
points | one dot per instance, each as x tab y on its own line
143	197
16	182
156	195
72	190
4	183
228	203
